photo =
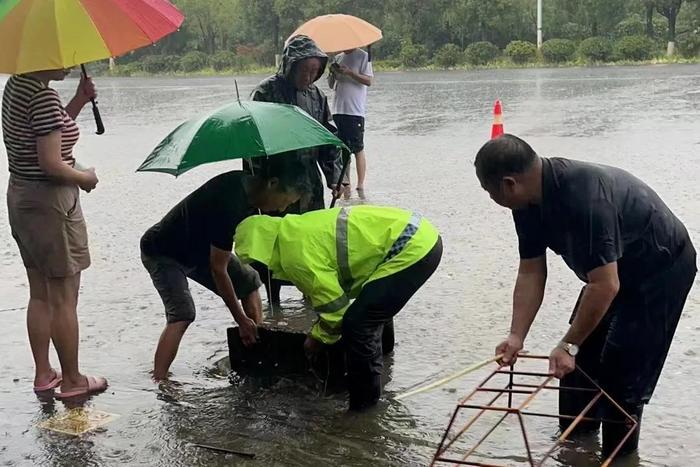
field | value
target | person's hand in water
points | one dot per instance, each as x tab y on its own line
312	346
248	331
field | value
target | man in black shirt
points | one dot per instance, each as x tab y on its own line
195	240
619	237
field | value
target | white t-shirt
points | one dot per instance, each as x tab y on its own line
351	96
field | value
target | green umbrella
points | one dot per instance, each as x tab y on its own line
237	131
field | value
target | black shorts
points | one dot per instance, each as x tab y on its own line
170	279
351	131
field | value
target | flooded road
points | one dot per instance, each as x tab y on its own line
423	130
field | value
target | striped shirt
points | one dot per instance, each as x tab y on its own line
30	110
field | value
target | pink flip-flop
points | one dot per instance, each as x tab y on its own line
54	383
95	384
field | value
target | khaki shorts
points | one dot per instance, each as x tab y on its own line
47	222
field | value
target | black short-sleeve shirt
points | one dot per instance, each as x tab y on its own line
593	215
208	216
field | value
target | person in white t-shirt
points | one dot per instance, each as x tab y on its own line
350	75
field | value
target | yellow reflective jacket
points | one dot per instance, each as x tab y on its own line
331	254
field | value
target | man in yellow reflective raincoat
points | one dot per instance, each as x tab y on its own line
359	266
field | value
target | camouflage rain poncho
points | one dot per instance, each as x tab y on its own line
280	88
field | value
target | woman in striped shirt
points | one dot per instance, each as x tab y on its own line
47	221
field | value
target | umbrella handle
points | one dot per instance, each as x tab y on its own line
339	185
95	110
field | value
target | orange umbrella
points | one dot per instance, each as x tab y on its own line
336	33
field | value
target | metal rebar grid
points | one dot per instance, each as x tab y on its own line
447	452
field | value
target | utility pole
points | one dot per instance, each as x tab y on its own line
539	24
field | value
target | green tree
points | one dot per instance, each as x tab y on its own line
497	21
418	21
558	50
194	61
649	7
521	51
260	24
223	60
670	9
634	48
413	55
596	49
255	30
481	53
209	22
448	56
473	19
688	29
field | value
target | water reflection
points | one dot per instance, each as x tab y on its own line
256	415
59	448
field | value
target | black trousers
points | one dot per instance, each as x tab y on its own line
365	320
272	286
626	352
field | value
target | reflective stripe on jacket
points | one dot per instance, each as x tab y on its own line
331	254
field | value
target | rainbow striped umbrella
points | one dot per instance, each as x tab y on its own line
53	34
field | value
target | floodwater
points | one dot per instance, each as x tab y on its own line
423	130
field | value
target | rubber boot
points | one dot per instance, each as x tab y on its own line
274	292
364	392
388	337
613	433
573	402
272	286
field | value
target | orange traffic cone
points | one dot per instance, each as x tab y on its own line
497	128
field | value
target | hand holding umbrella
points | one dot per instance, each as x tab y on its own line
87	88
61	34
